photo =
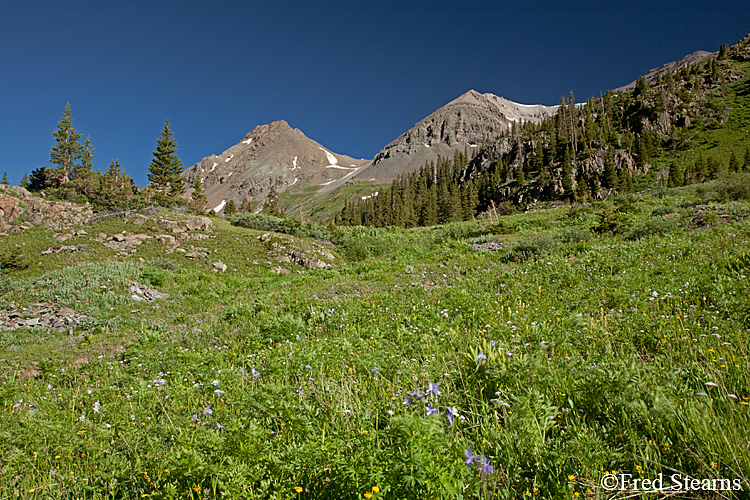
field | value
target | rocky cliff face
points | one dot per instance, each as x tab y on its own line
469	121
274	154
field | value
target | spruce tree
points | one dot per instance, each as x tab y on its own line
38	179
5	178
25	181
199	196
230	208
676	177
271	206
66	152
734	164
87	159
166	167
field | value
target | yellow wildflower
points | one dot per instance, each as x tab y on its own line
298	489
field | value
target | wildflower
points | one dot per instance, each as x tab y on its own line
390	412
298	489
215	383
573	478
451	413
368	495
219	426
433	388
483	464
480	357
207	411
255	372
197	489
82	418
418	396
375	371
194	418
375	489
470	457
431	410
308	367
97	407
218	392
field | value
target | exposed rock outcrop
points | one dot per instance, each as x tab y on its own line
16	202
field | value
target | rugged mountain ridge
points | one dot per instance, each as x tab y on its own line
468	121
653	74
273	154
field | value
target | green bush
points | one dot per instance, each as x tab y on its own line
575	235
653	227
734	187
534	246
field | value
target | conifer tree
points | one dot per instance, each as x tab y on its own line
25	181
271	206
87	159
166	167
66	152
676	177
230	208
5	178
37	181
199	196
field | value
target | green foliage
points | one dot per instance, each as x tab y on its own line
66	153
166	167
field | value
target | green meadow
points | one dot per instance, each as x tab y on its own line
607	338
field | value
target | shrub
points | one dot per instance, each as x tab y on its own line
662	210
575	235
532	247
734	187
653	227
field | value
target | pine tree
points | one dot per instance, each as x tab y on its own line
25	181
199	196
230	208
676	177
166	167
87	160
67	150
271	206
114	170
5	178
610	173
38	179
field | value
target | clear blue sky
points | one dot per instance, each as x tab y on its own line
351	75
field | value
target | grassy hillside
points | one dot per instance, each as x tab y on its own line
608	337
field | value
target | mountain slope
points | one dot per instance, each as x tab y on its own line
468	121
653	74
273	154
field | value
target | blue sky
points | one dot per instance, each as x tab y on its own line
351	75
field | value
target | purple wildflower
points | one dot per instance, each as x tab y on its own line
470	457
219	426
483	464
431	410
308	367
480	357
375	371
215	383
255	372
433	388
451	413
207	411
218	392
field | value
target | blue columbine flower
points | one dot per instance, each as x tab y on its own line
470	457
431	410
255	372
433	388
97	407
451	413
218	392
308	367
480	357
207	411
219	426
215	383
375	371
483	464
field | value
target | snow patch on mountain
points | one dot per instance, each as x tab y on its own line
230	157
331	159
218	208
248	141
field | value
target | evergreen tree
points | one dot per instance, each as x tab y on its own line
199	196
5	178
271	206
87	159
37	181
610	173
166	167
114	170
25	181
675	175
67	150
746	163
230	208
